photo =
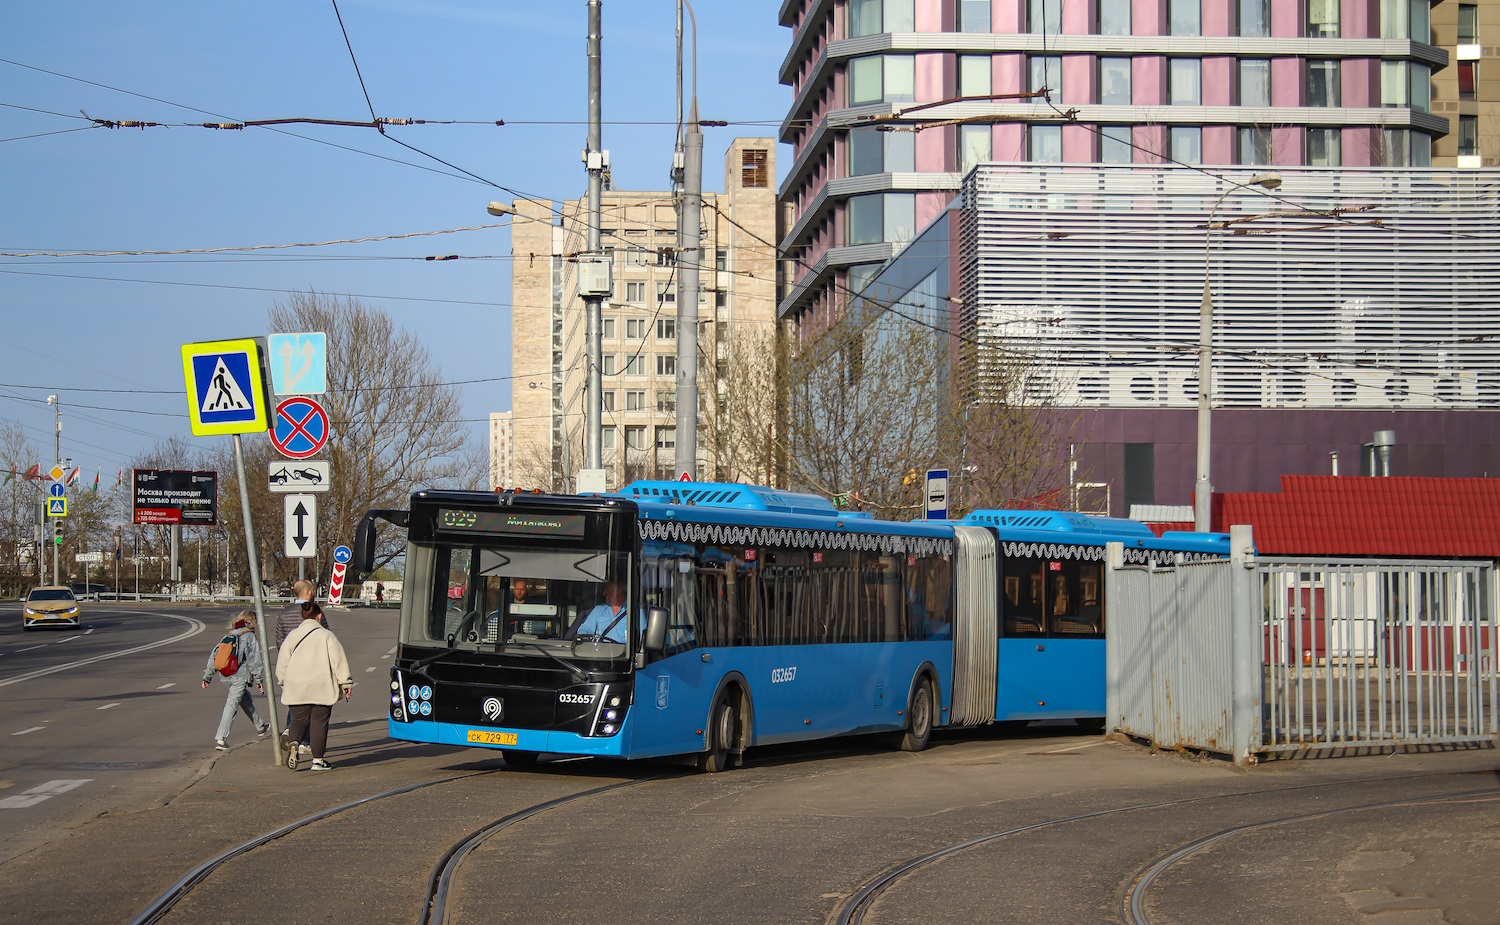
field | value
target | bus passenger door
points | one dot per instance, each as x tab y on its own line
1051	658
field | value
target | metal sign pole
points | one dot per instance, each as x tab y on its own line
255	595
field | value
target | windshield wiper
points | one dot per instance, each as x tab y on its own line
579	673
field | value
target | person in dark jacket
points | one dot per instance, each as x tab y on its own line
252	671
291	615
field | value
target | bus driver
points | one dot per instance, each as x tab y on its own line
607	620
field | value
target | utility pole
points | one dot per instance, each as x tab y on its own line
689	227
56	462
594	159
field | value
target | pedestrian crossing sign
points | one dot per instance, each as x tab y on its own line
226	386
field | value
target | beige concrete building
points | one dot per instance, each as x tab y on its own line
549	357
502	451
1467	91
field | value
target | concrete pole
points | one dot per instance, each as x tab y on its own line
689	225
594	400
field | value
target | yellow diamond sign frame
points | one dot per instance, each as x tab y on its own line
226	386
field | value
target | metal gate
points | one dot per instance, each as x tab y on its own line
1251	656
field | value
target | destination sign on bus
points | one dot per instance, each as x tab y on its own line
511	522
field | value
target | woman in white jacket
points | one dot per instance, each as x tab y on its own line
314	673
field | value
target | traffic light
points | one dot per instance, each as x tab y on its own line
57	526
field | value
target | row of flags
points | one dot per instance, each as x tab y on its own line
75	477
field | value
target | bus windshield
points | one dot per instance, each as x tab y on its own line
567	603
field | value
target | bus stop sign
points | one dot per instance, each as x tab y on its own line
937	494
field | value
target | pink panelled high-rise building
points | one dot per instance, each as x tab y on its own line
1211	82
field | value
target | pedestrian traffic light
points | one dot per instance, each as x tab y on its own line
57	531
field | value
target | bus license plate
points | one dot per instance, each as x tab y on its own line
492	738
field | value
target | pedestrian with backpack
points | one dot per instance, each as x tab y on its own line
236	661
314	674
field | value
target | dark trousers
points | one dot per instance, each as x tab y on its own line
311	719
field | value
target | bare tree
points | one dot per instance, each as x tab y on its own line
395	423
18	507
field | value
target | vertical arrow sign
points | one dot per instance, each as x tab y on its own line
301	532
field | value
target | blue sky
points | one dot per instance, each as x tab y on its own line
188	188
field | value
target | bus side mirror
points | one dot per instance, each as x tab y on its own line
655	642
362	562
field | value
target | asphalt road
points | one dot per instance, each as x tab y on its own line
1059	827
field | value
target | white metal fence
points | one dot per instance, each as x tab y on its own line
1250	656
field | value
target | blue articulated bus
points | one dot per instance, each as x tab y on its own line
703	619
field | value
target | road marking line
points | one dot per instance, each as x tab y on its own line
109	706
194	628
41	792
392	651
87	631
32	729
1073	749
29	648
368	670
69	639
167	685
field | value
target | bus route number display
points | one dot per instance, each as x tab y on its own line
510	522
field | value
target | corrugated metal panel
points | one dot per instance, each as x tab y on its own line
1099	270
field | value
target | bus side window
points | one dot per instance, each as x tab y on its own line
1091	594
1027	615
1069	615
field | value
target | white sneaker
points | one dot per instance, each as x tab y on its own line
304	748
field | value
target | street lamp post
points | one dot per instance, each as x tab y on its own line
1203	489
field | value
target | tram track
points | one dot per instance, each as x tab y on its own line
854	909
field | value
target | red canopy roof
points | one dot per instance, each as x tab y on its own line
1403	517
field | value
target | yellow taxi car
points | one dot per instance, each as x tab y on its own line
52	605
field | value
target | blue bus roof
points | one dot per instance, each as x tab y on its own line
727	495
1092	530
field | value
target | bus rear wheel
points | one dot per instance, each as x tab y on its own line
721	728
918	719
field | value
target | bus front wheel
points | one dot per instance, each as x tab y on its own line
918	719
721	727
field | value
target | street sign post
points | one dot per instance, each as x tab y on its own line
937	494
226	386
57	507
299	363
341	557
300	428
305	475
301	526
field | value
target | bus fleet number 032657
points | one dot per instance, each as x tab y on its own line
779	675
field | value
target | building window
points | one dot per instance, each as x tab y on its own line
666	292
1045	16
1468	24
666	401
973	15
1323	147
1186	87
1187	144
1407	148
1046	74
1044	143
1255	82
1114	17
1404	83
1323	83
635	291
721	259
666	364
874	151
1323	19
721	298
1404	19
607	328
974	146
1114	145
636	366
882	78
1420	86
973	78
1114	81
666	329
859	276
635	328
609	361
635	401
871	17
1468	136
1255	18
607	438
609	400
1255	145
666	438
637	257
1184	17
754	168
635	438
879	217
1466	78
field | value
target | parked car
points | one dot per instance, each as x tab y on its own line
51	605
87	590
